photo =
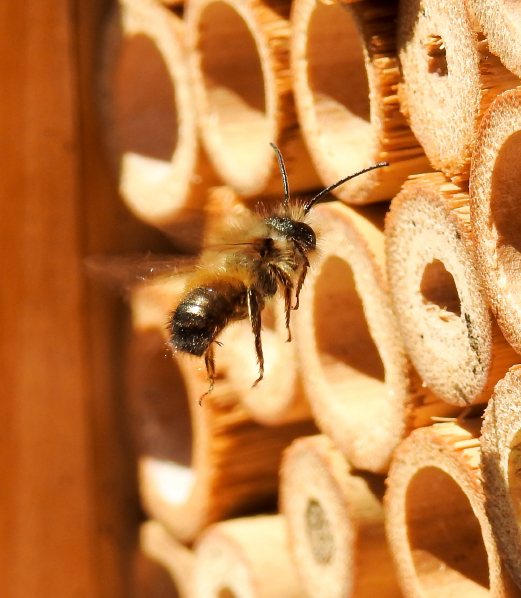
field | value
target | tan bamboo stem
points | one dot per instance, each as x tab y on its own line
494	196
439	533
500	465
501	23
449	80
280	397
223	208
335	523
150	121
345	75
172	3
240	62
446	326
358	379
197	464
245	558
175	559
339	1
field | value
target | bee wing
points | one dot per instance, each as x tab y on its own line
123	272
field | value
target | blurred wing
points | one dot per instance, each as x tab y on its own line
123	272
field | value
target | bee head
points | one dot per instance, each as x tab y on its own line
298	232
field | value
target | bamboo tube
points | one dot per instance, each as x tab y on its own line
358	380
335	523
501	23
280	397
449	80
150	122
170	556
446	326
500	448
439	534
197	465
345	75
223	208
245	558
240	63
173	3
339	1
494	197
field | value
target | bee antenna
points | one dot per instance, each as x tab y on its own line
283	173
313	201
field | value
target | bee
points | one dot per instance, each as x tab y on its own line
270	256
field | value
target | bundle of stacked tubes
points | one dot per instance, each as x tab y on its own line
380	454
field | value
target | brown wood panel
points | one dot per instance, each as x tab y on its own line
68	511
48	533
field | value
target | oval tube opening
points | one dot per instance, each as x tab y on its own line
145	113
234	89
445	537
338	82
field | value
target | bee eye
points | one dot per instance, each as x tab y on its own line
305	235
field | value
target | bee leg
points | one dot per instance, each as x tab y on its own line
287	298
302	277
288	287
255	321
209	362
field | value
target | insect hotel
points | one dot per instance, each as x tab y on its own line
303	378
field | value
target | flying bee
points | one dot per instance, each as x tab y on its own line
268	257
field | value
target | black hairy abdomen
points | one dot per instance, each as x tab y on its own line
202	315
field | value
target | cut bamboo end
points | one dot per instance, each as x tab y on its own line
500	466
197	464
494	210
335	523
223	208
446	325
449	80
173	3
159	546
240	62
147	101
501	23
245	558
339	1
358	378
280	397
439	533
345	74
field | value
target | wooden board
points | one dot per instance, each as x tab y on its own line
67	508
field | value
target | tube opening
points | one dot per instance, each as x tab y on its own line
438	288
437	56
234	86
445	538
145	113
349	357
319	533
338	81
160	415
506	217
226	593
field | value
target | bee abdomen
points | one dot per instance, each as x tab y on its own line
202	315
